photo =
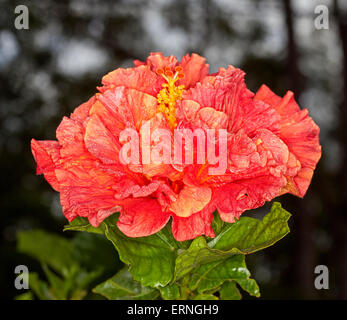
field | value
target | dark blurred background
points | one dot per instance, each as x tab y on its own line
55	65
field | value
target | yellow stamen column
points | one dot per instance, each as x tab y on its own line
170	93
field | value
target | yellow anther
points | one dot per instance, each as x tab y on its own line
170	93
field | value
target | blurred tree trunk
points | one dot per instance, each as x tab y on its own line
340	212
303	218
295	78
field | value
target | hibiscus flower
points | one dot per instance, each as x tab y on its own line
272	149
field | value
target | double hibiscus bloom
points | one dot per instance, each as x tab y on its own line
272	149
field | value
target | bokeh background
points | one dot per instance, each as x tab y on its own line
55	65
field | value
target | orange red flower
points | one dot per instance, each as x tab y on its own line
272	148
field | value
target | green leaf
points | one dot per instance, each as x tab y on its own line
187	260
82	224
78	294
206	267
39	287
25	296
249	235
170	292
205	296
229	291
123	287
71	266
77	280
94	251
57	284
242	237
217	223
84	278
97	260
212	275
48	248
250	286
151	259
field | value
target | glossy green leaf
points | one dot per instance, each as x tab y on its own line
123	287
170	292
151	259
216	265
249	235
214	274
250	286
189	259
242	237
229	291
217	223
205	296
82	224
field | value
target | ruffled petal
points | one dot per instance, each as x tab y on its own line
190	200
84	191
122	108
100	142
225	92
151	168
140	78
81	113
192	115
257	115
186	110
209	118
233	199
85	188
193	226
194	69
46	154
70	135
141	217
299	133
127	187
157	60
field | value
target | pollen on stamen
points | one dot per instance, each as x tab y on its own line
169	73
170	93
160	71
178	69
